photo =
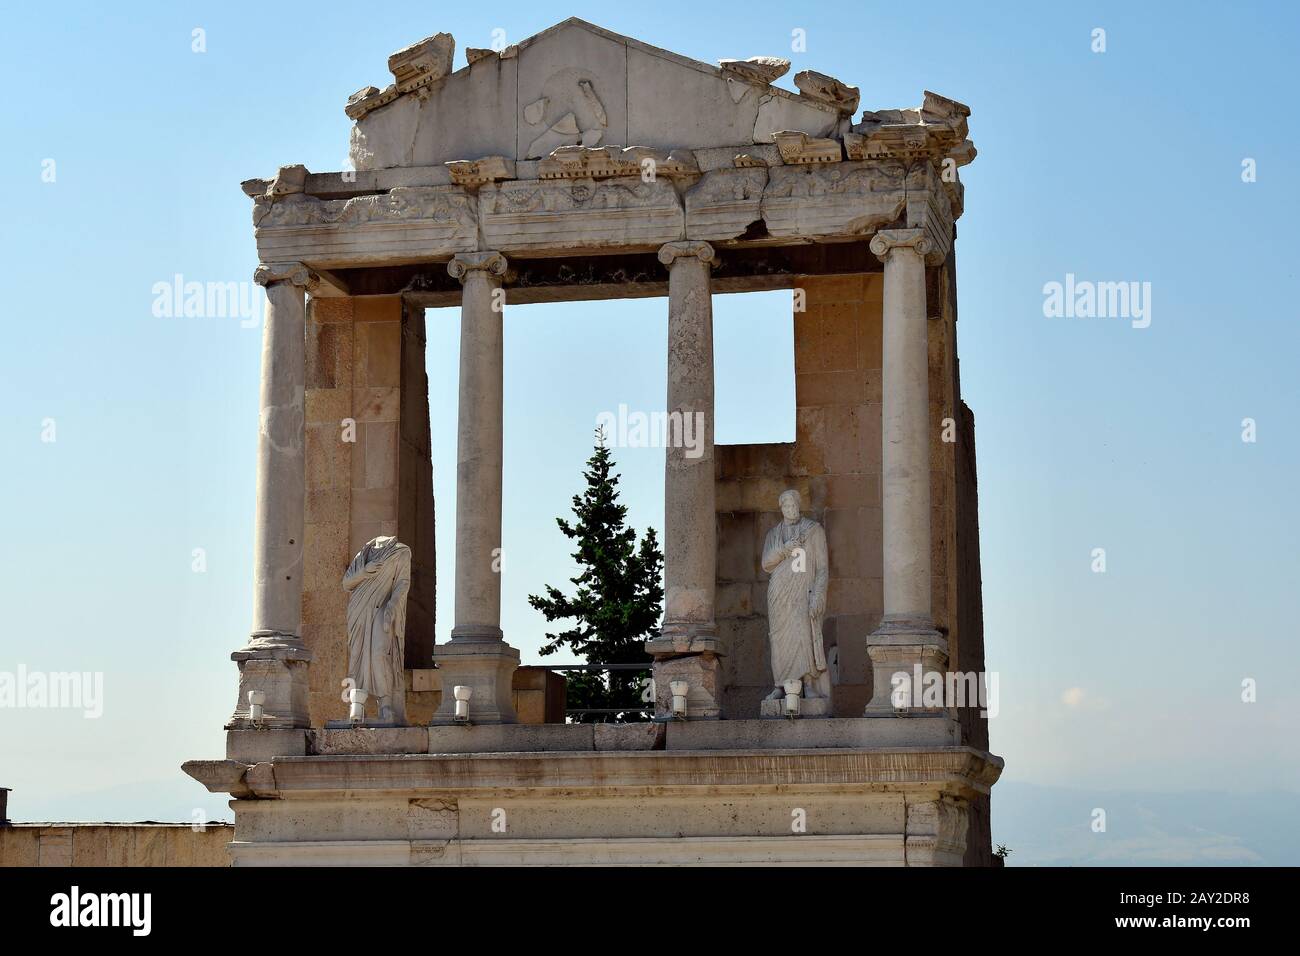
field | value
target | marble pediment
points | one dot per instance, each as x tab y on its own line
574	84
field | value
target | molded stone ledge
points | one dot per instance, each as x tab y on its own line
511	738
371	740
950	769
812	733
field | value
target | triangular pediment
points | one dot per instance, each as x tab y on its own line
572	84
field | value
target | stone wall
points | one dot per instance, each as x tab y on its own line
365	362
834	461
114	844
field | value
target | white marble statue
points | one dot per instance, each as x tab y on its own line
794	554
379	579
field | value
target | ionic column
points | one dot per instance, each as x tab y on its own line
477	656
906	635
687	647
274	661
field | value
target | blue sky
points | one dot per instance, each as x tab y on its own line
1114	166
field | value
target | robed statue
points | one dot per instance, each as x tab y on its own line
794	554
379	579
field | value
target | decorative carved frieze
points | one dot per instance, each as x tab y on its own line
827	89
833	199
757	69
404	223
798	149
604	162
749	161
725	202
476	172
936	831
580	214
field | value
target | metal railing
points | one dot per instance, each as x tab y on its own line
645	708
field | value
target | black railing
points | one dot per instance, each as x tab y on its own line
597	669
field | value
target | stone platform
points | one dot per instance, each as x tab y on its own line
732	792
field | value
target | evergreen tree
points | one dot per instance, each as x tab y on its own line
619	598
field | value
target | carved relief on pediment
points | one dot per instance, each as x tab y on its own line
569	112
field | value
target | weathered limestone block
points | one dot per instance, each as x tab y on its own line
832	199
533	215
724	203
827	89
779	110
757	69
703	675
409	223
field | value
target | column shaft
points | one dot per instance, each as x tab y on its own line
281	479
905	464
479	458
690	540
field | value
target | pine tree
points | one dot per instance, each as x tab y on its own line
619	597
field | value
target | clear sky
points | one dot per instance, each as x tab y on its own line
1123	165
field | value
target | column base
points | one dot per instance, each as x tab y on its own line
486	666
276	665
910	649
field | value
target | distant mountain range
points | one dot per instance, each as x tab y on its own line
1052	826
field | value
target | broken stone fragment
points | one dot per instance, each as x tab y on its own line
423	62
474	54
364	93
757	69
476	172
253	188
827	89
746	161
799	149
289	180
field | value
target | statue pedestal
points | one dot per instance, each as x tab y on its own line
808	707
486	666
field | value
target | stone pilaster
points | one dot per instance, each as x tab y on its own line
687	647
477	655
274	661
906	638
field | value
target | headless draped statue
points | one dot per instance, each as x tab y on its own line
379	578
794	554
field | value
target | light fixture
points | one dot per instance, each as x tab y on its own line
679	689
357	705
793	688
462	694
256	698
